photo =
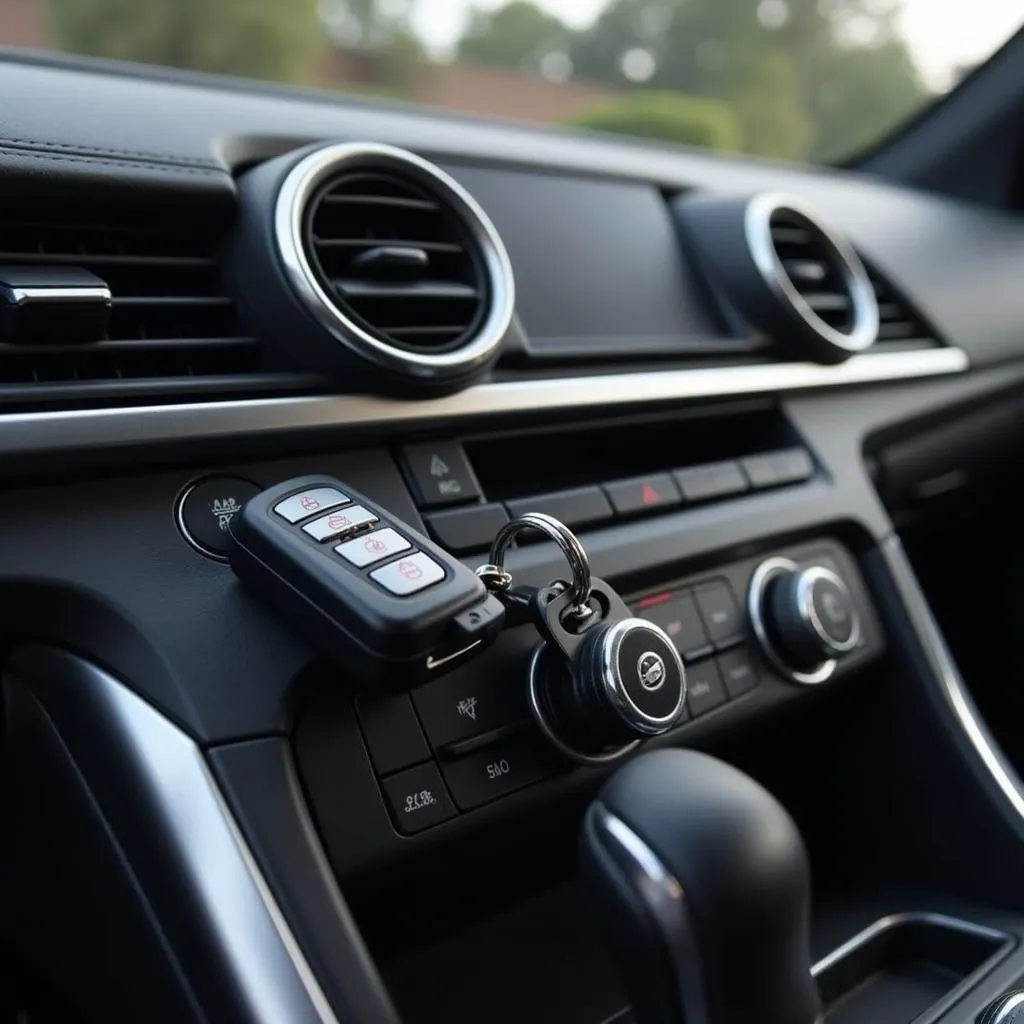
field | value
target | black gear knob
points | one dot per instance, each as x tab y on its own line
703	884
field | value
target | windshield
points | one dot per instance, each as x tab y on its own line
804	80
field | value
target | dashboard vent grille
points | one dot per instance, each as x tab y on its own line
172	326
397	261
812	266
899	324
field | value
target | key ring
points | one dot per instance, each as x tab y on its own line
498	579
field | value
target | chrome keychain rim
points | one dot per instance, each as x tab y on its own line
498	579
537	713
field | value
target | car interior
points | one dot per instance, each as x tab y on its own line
457	569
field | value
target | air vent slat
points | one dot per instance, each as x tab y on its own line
353	289
897	330
426	332
126	345
828	302
197	301
367	243
806	271
388	202
790	235
108	259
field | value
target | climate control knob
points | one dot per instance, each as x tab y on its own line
805	618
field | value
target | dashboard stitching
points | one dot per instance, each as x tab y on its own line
111	162
44	145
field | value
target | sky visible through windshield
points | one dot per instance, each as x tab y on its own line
799	80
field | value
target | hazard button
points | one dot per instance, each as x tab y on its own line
643	494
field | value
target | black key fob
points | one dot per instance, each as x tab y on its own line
389	606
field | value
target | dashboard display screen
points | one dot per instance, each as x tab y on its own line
594	261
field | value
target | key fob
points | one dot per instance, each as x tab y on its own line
389	606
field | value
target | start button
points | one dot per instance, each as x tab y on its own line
206	508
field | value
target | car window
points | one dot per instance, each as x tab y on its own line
801	80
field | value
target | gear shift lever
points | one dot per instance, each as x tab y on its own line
702	880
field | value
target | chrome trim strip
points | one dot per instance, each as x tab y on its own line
92	293
757	229
300	186
271	974
82	429
663	894
884	924
943	667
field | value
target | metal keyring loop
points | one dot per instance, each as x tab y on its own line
494	572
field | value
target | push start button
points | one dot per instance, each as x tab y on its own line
206	508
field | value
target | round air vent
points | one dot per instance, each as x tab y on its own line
814	271
395	260
787	272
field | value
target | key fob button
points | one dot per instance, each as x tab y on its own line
308	503
374	547
337	524
408	575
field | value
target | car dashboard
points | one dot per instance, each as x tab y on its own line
712	370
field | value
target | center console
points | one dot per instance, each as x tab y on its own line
459	743
390	831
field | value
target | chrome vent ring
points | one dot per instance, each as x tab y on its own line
812	270
355	308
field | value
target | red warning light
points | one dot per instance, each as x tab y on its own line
649	496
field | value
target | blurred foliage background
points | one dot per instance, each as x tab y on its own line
788	79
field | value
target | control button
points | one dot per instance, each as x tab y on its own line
804	618
787	466
497	770
467	529
308	503
417	799
712	480
677	614
793	465
408	575
643	494
373	547
336	524
720	612
466	704
206	508
830	609
440	473
739	672
581	507
706	690
393	735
